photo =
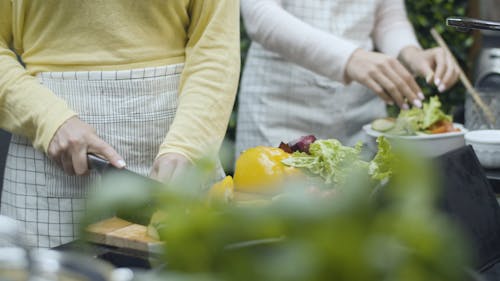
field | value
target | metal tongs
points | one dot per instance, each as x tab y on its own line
466	24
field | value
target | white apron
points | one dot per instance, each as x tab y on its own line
132	110
281	101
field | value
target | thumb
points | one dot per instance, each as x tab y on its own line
426	71
100	147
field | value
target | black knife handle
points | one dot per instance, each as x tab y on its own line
97	163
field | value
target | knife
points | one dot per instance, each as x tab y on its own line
135	180
103	166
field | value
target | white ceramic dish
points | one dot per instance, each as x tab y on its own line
429	145
486	144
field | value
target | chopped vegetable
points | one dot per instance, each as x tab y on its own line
408	122
328	159
285	147
442	127
433	113
383	124
333	162
302	144
418	120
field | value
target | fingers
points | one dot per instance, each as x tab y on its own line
426	70
400	86
163	171
100	147
386	77
169	167
450	76
441	67
80	164
179	169
406	83
67	164
164	174
391	89
71	143
375	87
437	66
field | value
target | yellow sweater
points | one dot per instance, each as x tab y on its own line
55	35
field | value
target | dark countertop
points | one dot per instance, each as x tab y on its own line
494	177
116	256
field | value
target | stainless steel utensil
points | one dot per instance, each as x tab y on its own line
465	24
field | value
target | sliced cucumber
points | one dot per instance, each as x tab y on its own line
383	124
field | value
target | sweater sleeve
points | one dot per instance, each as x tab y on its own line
26	107
278	31
393	32
209	80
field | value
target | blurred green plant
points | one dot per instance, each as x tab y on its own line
393	234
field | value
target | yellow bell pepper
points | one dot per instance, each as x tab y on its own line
222	191
259	170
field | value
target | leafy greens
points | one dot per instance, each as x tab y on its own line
333	162
410	122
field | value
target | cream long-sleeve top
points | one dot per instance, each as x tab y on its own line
55	35
326	51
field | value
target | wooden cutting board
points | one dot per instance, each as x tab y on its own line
123	234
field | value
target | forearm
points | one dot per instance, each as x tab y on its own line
26	107
393	32
209	80
277	30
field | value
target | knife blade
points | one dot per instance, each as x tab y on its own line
134	180
103	166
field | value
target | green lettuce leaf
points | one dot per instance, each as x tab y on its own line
380	168
328	159
432	113
408	122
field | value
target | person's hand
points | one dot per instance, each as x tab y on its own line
71	143
434	64
386	76
169	166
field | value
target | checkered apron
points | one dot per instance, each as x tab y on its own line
131	110
281	101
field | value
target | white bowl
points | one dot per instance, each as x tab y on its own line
486	144
428	145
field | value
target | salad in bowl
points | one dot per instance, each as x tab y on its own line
428	129
429	119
